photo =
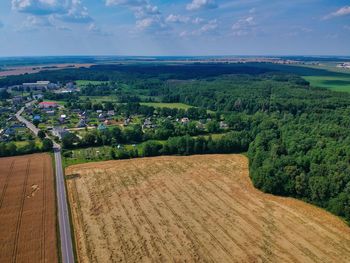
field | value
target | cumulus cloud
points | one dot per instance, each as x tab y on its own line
93	28
71	11
243	26
33	23
126	2
197	20
77	13
177	19
148	16
340	12
39	7
154	24
208	27
201	4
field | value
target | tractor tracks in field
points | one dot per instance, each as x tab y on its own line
19	217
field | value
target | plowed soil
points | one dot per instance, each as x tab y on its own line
27	209
194	209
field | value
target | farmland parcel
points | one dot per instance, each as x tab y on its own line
194	209
27	209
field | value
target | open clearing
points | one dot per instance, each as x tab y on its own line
27	209
194	209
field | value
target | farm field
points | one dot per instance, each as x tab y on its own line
27	209
194	209
333	83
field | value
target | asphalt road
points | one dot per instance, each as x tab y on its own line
63	215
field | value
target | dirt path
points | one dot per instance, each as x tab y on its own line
194	209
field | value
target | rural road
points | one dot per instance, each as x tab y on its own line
63	215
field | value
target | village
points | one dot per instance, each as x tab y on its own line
57	118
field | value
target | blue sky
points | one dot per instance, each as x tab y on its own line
183	27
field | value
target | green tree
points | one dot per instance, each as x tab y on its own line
41	134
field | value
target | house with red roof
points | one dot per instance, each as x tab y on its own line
47	105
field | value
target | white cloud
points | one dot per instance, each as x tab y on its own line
145	10
197	20
177	19
39	7
154	24
201	4
93	28
33	23
126	2
71	11
243	26
208	27
340	12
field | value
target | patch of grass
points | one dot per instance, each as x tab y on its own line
87	82
100	98
167	105
59	102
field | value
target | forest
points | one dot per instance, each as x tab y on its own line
296	136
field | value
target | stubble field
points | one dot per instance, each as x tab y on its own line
27	209
194	209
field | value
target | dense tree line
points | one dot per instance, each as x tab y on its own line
11	149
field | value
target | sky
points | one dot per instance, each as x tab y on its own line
174	28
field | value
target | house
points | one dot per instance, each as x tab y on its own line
59	132
48	105
200	126
70	86
38	96
101	127
101	116
17	100
81	123
9	132
50	112
39	85
147	124
63	116
36	118
127	122
107	122
110	113
223	125
99	111
185	120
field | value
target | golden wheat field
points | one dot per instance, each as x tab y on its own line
194	209
27	209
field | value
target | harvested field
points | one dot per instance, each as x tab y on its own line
27	209
194	209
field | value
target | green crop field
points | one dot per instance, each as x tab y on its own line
330	82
